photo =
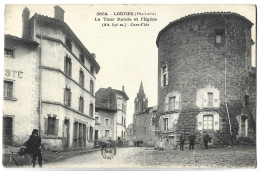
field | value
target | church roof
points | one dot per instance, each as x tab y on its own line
141	93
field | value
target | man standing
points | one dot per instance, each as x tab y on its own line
206	139
192	141
33	146
182	140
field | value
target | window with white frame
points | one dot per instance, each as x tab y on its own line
172	101
164	76
207	122
106	121
165	124
210	99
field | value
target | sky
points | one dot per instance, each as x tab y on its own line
126	55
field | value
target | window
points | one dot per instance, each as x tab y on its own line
51	125
130	131
106	133
82	58
9	53
91	133
172	103
8	89
219	36
92	69
91	108
247	100
165	124
67	66
81	78
210	100
145	129
106	121
122	121
164	76
67	97
208	122
97	120
68	43
91	87
81	104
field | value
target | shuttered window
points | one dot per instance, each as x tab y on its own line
8	89
51	126
67	97
81	104
67	66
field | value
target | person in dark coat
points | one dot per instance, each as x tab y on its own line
33	146
206	139
192	141
182	140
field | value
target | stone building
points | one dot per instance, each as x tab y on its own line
61	77
20	89
143	127
110	114
206	81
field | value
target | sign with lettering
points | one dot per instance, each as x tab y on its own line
13	73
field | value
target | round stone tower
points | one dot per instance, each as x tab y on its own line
204	68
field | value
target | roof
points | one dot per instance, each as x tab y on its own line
200	14
14	38
66	28
106	98
141	93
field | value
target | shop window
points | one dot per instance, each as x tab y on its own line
9	53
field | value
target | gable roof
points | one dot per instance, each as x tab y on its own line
64	26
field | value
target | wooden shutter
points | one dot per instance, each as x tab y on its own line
200	121
167	80
56	130
177	102
216	122
205	99
46	126
216	99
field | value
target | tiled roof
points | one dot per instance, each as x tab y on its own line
11	37
67	29
199	14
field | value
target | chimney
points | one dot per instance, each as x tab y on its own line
94	55
123	88
25	18
58	13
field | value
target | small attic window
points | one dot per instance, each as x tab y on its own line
219	35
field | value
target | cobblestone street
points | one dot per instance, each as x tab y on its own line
228	157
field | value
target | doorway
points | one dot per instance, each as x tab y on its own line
96	137
66	133
8	131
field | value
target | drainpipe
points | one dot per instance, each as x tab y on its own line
40	85
230	129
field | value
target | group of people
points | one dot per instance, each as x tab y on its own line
138	143
192	138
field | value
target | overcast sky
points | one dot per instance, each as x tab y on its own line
127	55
